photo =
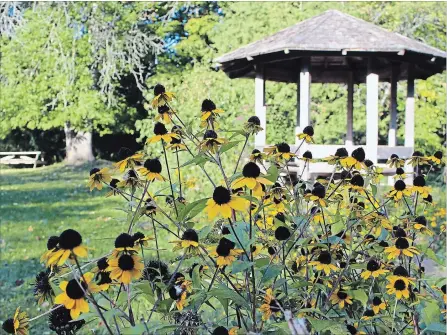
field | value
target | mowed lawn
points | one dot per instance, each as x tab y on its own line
38	203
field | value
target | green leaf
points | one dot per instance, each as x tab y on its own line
334	326
359	295
196	277
272	173
431	312
223	292
239	266
436	327
227	146
271	272
192	209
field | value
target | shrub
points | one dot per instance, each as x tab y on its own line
263	251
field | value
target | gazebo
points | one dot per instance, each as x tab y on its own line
338	48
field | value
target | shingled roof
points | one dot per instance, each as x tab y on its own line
330	39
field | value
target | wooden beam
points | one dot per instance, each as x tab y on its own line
350	108
372	113
393	106
260	104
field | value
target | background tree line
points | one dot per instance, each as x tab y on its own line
82	73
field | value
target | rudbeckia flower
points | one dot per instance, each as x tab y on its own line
97	177
209	112
61	322
125	267
368	314
70	243
253	125
176	144
324	263
378	305
251	178
102	277
129	162
400	174
140	239
123	243
152	169
373	269
417	158
399	287
395	162
341	153
52	243
131	180
150	207
317	195
161	96
341	298
256	156
400	190
420	223
225	252
279	151
436	158
113	188
179	291
18	324
401	247
224	331
223	203
189	240
270	305
357	183
419	186
73	295
353	330
42	288
211	142
161	133
307	157
356	160
164	113
282	233
307	134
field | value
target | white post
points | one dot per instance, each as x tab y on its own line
372	113
298	99
350	116
304	95
260	104
409	118
393	107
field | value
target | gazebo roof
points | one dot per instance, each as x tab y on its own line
335	43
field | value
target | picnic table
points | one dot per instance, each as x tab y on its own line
21	157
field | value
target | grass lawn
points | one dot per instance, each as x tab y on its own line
38	203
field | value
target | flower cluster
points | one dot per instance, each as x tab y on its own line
258	249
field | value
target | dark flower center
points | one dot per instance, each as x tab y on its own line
176	140
223	250
8	326
421	220
429	198
163	109
417	154
126	262
271	251
208	105
359	154
282	233
173	293
319	191
124	240
399	185
255	152
155	269
372	266
283	147
325	258
342	295
400	271
377	301
131	174
345	175
438	154
160	129
114	183
402	243
368	163
190	235
103	278
341	152
159	89
369	312
74	291
400	285
225	231
351	329
419	181
52	242
383	244
70	239
251	170
280	216
93	171
357	180
138	236
399	232
210	134
254	120
394	156
227	243
61	322
443	288
221	195
308	130
275	306
400	171
42	284
307	155
102	263
220	331
153	165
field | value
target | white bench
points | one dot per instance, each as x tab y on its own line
21	157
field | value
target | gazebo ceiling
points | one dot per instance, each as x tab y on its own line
334	43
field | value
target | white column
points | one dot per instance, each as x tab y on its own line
260	108
409	110
393	107
350	108
298	99
304	95
372	113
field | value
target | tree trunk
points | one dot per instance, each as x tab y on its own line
79	148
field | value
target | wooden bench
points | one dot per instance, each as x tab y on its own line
21	157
